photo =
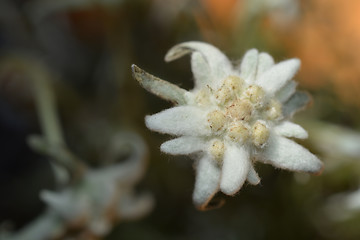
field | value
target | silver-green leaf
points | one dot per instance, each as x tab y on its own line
159	87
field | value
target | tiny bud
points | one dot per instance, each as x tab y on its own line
234	83
238	132
216	120
255	94
223	94
203	97
273	110
260	134
217	150
240	109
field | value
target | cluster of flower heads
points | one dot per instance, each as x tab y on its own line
234	116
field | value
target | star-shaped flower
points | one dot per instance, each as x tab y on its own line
232	118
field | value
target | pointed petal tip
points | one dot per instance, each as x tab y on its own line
149	122
278	75
178	51
137	72
207	181
293	63
254	181
159	87
230	191
210	205
135	69
287	154
252	51
319	170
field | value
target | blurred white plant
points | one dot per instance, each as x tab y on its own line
232	118
343	206
88	202
100	199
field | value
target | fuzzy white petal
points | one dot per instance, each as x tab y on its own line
284	153
289	129
248	65
200	69
182	120
276	77
219	64
252	177
286	91
207	181
235	169
265	63
298	101
183	145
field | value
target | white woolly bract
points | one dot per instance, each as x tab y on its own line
182	120
289	129
284	153
207	181
235	169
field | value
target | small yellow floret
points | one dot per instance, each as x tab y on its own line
235	83
260	134
240	109
238	132
217	150
255	94
203	97
216	120
223	94
273	111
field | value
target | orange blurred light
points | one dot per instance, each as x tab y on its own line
327	39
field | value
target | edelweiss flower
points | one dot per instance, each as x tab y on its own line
232	118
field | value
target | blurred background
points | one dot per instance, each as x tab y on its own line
88	46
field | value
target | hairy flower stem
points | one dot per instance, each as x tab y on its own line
53	143
49	121
45	102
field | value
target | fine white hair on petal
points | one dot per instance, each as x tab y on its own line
200	69
183	145
219	64
289	129
265	63
181	120
252	177
235	169
286	91
248	65
207	181
298	101
277	76
284	153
